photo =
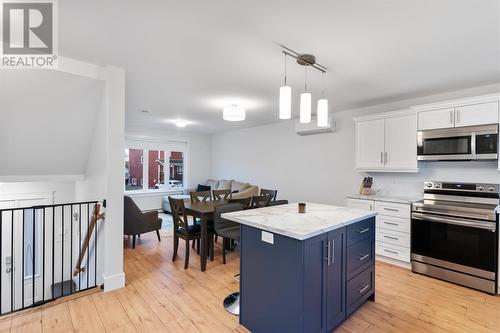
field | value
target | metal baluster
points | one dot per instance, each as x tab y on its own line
53	249
62	251
22	261
12	260
88	251
43	256
95	250
1	258
80	250
71	252
33	257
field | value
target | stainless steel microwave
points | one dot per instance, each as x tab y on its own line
458	144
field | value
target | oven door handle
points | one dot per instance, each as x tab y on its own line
450	220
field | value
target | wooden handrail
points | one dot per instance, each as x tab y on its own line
96	216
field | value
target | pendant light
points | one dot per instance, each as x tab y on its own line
322	112
285	105
305	102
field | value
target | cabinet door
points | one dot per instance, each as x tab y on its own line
335	280
370	144
360	204
477	114
401	142
442	118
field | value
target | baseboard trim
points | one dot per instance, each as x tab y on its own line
113	282
393	261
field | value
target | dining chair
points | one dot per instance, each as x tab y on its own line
244	201
222	194
259	201
201	196
272	193
184	230
278	202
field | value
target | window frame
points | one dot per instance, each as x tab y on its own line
167	146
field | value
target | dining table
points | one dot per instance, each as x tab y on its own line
204	210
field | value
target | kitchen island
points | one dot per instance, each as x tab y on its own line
304	272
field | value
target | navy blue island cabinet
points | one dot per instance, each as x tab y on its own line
289	285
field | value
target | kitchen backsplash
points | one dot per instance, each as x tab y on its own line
401	184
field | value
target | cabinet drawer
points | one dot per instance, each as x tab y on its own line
360	288
359	257
360	231
360	204
393	223
393	251
392	209
393	237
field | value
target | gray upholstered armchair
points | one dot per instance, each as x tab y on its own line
137	222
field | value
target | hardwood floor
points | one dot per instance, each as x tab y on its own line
160	296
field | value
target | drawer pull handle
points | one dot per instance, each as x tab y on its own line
328	258
361	258
391	223
390	237
363	230
390	251
363	289
391	209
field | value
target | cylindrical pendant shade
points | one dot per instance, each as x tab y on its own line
322	113
285	102
305	108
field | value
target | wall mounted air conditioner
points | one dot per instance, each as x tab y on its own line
312	128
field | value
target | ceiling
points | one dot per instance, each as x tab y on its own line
188	59
37	109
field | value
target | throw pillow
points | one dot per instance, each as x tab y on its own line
202	188
224	184
212	183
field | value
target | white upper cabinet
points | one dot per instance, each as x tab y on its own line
387	142
370	144
477	114
400	142
474	111
442	118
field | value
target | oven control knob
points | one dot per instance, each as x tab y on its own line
437	186
480	188
491	188
429	185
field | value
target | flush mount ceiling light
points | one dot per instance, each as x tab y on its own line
233	113
306	60
180	122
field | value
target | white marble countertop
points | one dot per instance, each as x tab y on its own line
285	219
388	198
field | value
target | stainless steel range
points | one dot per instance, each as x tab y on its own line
454	234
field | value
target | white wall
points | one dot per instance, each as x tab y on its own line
63	191
198	162
320	168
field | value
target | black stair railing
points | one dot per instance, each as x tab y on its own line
47	252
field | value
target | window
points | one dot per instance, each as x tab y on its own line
133	169
156	178
153	168
176	165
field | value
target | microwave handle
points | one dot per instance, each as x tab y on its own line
455	221
473	145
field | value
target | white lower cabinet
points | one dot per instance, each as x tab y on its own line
393	222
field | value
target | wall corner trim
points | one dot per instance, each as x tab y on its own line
113	282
